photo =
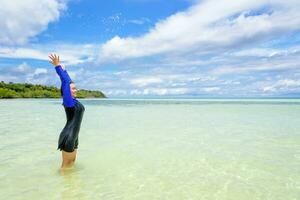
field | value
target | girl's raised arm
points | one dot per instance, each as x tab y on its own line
68	100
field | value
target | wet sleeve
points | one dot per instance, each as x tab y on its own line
68	100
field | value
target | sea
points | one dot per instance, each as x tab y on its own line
153	149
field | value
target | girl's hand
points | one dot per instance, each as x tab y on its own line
54	59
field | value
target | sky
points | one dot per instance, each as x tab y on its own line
143	48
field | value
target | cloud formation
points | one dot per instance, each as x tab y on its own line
21	20
209	25
72	54
215	47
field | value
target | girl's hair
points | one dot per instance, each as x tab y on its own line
61	91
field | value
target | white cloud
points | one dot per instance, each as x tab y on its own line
22	68
267	52
144	81
288	83
70	54
169	79
140	21
232	65
211	89
11	52
29	74
39	71
21	20
136	92
268	89
161	91
165	91
9	78
282	84
116	92
206	26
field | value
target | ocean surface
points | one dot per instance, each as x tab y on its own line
148	149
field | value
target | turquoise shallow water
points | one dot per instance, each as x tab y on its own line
154	149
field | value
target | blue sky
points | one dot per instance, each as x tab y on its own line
139	48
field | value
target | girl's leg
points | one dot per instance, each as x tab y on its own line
75	147
75	155
68	159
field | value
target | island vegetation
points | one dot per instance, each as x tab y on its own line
26	90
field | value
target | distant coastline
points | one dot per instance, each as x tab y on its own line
26	90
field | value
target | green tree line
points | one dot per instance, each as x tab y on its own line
26	90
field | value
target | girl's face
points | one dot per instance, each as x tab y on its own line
73	90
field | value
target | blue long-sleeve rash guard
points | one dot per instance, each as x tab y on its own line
68	100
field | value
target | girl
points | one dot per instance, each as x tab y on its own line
68	139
